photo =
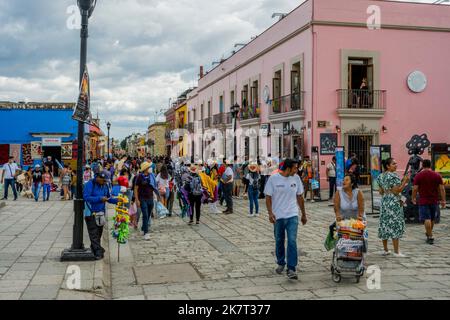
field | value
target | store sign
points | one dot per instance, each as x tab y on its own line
328	143
51	142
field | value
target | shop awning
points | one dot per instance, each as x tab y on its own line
95	130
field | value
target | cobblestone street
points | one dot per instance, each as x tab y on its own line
233	256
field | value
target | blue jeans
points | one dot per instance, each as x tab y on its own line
289	226
12	183
46	189
253	197
36	190
146	207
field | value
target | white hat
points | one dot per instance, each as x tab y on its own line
123	189
37	166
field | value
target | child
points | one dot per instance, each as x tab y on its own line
132	213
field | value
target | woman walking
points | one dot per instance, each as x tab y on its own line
47	180
392	221
162	179
65	182
37	182
195	194
349	202
254	179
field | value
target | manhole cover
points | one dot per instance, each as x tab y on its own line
166	273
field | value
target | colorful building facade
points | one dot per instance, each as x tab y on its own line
327	75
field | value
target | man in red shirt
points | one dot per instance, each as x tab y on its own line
429	184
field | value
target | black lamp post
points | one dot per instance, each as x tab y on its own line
78	252
108	125
234	113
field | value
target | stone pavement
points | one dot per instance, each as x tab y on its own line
233	258
32	237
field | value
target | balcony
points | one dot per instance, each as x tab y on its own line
291	106
222	119
207	123
355	103
250	114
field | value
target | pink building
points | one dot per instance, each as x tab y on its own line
304	77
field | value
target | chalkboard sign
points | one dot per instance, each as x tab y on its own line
328	143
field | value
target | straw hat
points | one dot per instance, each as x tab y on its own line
253	167
145	166
193	169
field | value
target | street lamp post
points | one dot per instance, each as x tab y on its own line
78	252
108	125
234	114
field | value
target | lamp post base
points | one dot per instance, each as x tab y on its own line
77	255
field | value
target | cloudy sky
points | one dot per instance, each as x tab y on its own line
140	52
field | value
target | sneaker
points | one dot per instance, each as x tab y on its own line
384	253
190	223
256	214
279	269
430	240
399	255
147	236
292	275
251	215
197	222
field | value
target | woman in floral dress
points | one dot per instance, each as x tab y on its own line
392	221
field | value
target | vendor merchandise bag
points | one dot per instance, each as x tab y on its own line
161	211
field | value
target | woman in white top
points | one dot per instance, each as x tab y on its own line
162	179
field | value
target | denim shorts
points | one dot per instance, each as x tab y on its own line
428	212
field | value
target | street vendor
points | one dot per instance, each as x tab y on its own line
96	193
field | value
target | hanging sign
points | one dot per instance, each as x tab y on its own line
82	111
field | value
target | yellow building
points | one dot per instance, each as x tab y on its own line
157	140
181	121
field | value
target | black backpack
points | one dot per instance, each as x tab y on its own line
196	186
256	177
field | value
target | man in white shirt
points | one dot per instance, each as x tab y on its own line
227	182
331	176
284	196
9	177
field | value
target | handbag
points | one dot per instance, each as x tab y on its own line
99	218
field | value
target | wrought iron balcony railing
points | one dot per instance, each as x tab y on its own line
361	99
292	102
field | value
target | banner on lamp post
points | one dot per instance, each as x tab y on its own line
82	111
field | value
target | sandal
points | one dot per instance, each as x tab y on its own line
197	222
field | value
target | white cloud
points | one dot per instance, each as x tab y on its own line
140	52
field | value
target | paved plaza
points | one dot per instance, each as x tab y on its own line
234	257
225	257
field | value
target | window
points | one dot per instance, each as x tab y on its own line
254	93
195	114
232	101
221	108
360	82
209	109
202	112
244	96
295	86
276	89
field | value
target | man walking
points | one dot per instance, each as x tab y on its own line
143	191
227	186
284	197
428	184
331	177
9	174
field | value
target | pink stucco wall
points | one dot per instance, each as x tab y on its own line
401	52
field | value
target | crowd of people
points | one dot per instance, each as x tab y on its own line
283	183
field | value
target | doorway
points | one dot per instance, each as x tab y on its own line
360	145
55	153
360	82
297	147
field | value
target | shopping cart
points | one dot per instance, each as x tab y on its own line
348	255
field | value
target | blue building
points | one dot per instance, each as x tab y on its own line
31	131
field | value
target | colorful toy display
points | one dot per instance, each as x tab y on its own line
121	220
